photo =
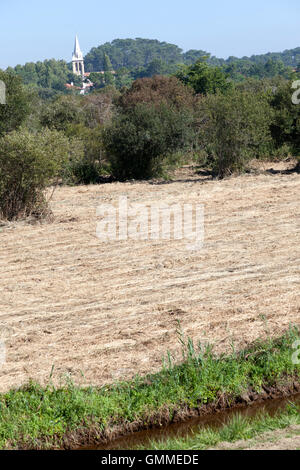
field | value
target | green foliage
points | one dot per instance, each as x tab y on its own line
50	74
137	58
286	126
239	69
140	138
140	55
16	109
88	167
81	118
131	53
234	128
62	112
290	57
28	163
204	79
98	80
123	78
192	56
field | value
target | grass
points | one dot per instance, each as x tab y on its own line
36	417
238	428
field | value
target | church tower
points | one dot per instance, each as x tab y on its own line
77	59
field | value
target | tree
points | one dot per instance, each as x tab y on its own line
17	107
132	53
87	167
51	74
204	79
193	55
108	71
123	78
97	79
28	163
234	128
62	112
286	126
158	90
139	140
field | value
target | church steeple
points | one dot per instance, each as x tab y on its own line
77	59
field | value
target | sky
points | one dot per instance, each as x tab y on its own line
35	30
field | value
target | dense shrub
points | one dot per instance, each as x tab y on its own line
286	126
158	90
61	112
17	107
234	128
204	79
82	118
139	140
98	107
89	166
28	163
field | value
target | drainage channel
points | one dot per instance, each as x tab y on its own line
184	429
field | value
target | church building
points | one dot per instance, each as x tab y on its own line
77	59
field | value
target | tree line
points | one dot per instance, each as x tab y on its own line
140	131
126	60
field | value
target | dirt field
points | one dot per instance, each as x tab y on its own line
99	312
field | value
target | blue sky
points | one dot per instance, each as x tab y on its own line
35	30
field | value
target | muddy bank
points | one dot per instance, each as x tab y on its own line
182	420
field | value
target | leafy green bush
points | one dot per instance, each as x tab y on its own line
89	166
281	153
286	126
17	107
234	128
61	112
28	163
140	138
204	78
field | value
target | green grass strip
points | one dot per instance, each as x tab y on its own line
34	416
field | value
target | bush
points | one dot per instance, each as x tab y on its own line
286	126
88	167
281	153
17	107
139	140
234	128
63	111
98	106
156	91
204	79
28	163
